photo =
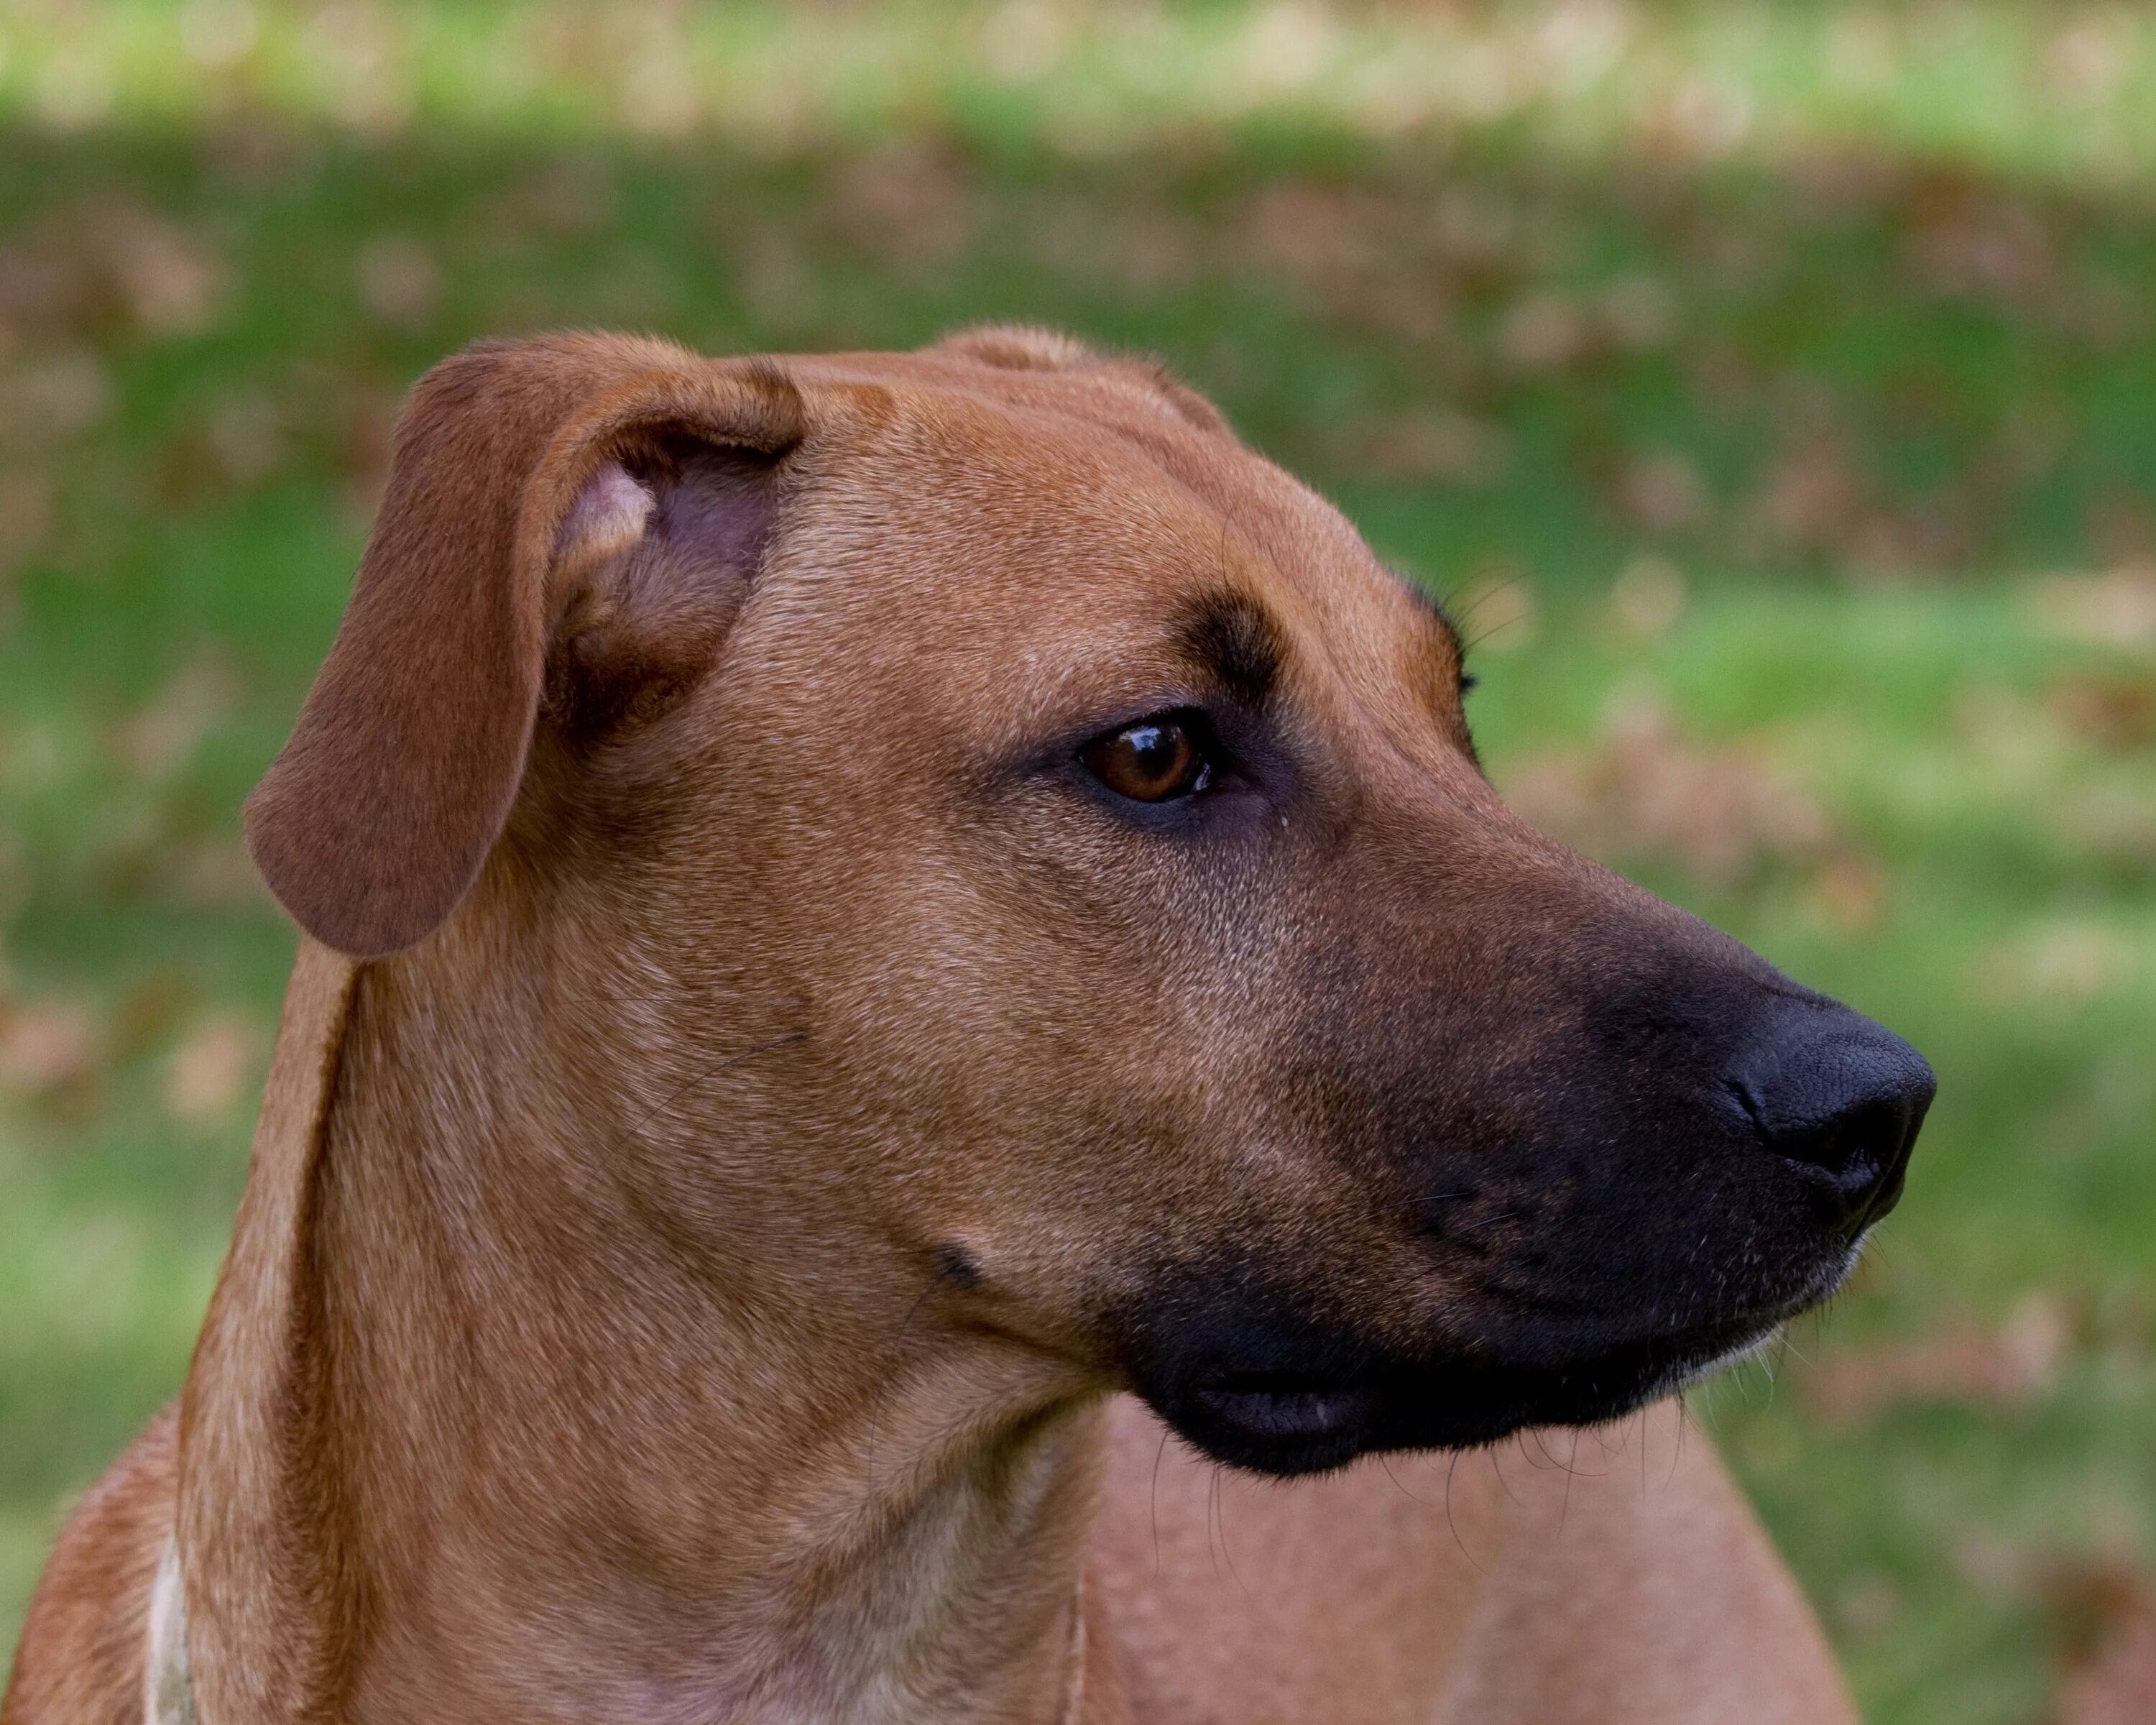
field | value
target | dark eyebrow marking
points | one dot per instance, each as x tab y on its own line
1236	640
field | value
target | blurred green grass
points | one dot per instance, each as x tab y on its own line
1775	387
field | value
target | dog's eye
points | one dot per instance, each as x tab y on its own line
1152	761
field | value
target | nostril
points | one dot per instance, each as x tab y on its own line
1840	1100
1850	1149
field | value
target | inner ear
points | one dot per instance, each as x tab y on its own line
657	555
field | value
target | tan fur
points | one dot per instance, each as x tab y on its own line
82	1649
589	1348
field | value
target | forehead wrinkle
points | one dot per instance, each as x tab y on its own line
1248	566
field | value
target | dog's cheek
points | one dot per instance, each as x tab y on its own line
1045	1081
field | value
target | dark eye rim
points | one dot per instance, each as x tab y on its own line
1204	742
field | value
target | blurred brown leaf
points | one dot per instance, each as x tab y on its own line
119	267
26	517
2004	1367
2064	960
1868	1603
1651	792
1476	235
1546	332
148	1011
1700	118
1811	496
1648	597
2109	1611
1661	491
398	281
2116	608
1848	891
55	394
209	1072
2118	712
235	441
911	203
1430	443
1314	230
159	740
169	280
1966	238
213	874
47	1048
1638	313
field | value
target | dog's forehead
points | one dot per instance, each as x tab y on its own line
1058	495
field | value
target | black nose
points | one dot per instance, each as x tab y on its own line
1840	1098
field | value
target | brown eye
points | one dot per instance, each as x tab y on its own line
1149	762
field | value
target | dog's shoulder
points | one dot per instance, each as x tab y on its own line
81	1656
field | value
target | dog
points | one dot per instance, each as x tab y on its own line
910	990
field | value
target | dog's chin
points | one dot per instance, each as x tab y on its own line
1288	1423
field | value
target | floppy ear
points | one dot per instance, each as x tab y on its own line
528	485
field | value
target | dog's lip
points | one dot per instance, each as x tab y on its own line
1286	1422
1292	1408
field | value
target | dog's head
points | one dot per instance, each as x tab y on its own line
1086	830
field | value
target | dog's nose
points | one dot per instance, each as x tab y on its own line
1840	1098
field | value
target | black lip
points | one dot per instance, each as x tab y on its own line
1293	1422
1287	1413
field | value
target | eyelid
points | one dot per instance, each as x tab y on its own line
1191	718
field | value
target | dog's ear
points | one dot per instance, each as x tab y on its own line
543	496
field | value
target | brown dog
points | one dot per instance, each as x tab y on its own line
855	907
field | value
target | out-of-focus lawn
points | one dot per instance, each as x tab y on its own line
1776	387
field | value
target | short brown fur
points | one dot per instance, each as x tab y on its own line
664	1286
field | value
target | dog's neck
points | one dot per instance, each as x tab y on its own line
478	1431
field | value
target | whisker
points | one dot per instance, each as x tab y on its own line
1496	1467
698	1077
1495	629
1461	615
1220	1499
943	1274
1153	1498
1490	1221
1453	1525
1385	1462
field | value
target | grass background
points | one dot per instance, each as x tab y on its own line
1773	386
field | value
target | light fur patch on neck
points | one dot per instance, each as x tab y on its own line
169	1687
